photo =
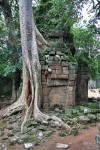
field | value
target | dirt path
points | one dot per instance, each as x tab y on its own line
84	141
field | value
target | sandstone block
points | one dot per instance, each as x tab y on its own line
57	82
58	72
45	91
71	83
72	76
56	63
65	70
53	71
53	76
64	64
56	67
62	76
59	96
59	53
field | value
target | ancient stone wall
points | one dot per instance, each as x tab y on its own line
58	82
58	76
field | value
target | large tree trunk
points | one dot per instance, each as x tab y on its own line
31	64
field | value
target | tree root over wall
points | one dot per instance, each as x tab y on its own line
30	37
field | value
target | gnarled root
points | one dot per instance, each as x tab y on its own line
13	108
38	115
41	117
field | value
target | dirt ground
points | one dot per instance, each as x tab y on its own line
84	141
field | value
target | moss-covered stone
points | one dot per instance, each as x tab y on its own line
62	133
93	105
13	140
48	133
28	138
84	127
84	119
42	128
74	131
92	117
10	134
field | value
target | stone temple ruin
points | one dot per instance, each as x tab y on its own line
61	82
58	77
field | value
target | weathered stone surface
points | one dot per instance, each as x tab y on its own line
53	71
59	72
62	76
52	53
97	138
56	67
13	140
59	53
45	90
72	76
57	82
40	135
62	146
63	58
64	64
57	110
59	96
25	129
72	71
91	116
65	70
55	63
50	59
48	133
28	138
84	119
98	116
44	122
57	123
28	145
85	143
71	100
71	83
44	67
42	128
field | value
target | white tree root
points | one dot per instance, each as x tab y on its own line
38	115
15	107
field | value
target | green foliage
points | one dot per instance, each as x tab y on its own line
64	15
87	45
56	14
52	14
9	39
